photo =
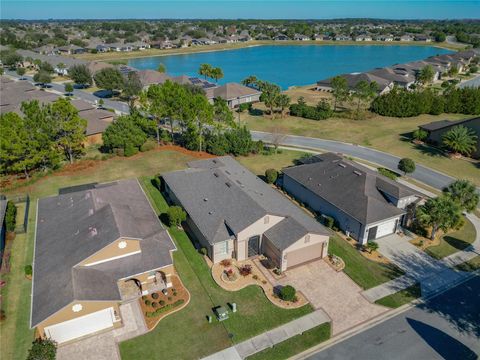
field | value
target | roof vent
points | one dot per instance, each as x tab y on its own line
93	231
309	178
228	184
342	165
205	199
358	173
90	212
215	174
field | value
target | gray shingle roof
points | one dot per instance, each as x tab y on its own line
350	187
443	124
75	225
223	198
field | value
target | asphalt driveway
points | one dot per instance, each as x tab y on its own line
334	292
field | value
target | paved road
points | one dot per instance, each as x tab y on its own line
446	327
428	176
475	82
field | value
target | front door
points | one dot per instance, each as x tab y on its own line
254	246
372	233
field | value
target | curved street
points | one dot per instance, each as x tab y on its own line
422	173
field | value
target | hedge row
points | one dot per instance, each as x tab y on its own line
164	308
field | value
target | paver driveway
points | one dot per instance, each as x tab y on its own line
334	292
99	347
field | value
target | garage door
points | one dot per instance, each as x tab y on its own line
81	326
303	255
386	228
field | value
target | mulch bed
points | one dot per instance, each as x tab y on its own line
182	294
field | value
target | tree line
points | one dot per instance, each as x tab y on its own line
40	139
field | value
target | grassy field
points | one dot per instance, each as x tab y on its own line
402	297
113	55
471	265
366	273
295	345
454	241
382	133
255	312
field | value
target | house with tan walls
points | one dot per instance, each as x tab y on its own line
96	246
234	214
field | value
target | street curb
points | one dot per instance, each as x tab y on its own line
377	320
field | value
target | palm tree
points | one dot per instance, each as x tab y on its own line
270	92
464	193
216	73
282	101
205	70
426	75
250	81
460	140
439	213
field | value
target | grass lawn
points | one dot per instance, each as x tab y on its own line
454	241
255	313
471	265
366	273
402	297
378	132
295	345
258	164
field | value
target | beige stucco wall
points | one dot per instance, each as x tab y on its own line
113	250
257	228
67	313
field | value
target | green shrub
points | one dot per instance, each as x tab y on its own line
11	216
271	175
28	270
388	173
148	302
328	221
161	302
165	308
154	304
130	150
157	182
320	112
169	298
155	296
174	293
244	106
406	165
42	349
203	251
287	293
150	144
420	135
176	215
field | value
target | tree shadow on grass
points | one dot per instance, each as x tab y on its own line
424	148
456	243
445	345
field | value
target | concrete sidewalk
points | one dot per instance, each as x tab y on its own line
388	288
271	337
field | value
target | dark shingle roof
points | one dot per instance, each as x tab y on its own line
350	187
223	198
75	225
442	124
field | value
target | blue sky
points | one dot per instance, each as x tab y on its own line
264	9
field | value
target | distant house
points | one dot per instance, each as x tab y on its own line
342	38
102	48
383	85
422	37
234	214
301	37
71	49
234	93
96	246
281	37
406	38
363	38
364	204
404	79
262	37
437	129
97	121
150	77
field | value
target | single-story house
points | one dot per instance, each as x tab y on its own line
234	93
364	204
423	37
150	77
399	77
363	38
71	49
437	129
96	246
234	214
383	85
281	37
301	37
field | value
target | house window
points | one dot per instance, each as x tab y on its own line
221	248
307	238
266	219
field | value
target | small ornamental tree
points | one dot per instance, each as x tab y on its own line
271	175
42	77
21	71
460	140
288	293
43	349
68	88
406	165
176	215
80	74
420	135
372	246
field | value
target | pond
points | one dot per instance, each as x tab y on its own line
289	65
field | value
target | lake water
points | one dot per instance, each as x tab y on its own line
289	65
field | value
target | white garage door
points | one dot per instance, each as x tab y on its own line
81	326
386	228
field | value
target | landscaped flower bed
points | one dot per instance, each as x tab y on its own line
156	306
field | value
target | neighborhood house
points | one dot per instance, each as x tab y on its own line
96	246
234	214
365	205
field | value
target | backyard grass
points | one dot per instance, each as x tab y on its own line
382	133
454	241
471	265
366	273
295	345
402	297
255	313
258	164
